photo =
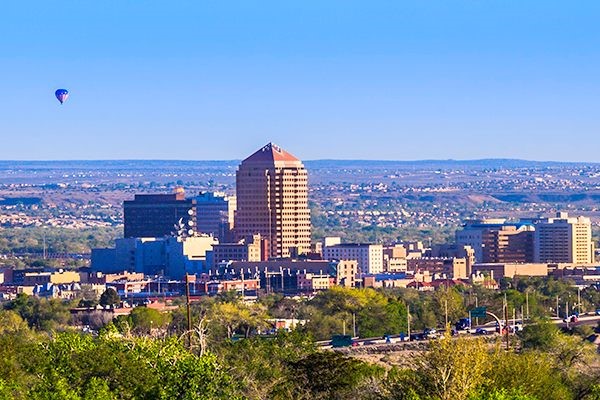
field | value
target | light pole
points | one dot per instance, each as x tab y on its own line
476	305
446	310
408	320
526	302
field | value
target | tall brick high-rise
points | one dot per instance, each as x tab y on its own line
272	199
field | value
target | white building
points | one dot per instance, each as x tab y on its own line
368	256
169	256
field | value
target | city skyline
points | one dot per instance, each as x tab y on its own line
330	80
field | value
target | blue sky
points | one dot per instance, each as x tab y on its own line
398	80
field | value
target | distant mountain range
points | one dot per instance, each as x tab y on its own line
146	164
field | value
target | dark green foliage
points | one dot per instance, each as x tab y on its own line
143	321
110	297
540	335
373	312
260	365
57	240
502	394
328	375
80	367
41	314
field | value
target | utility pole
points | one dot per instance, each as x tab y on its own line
579	300
514	319
189	314
557	310
408	320
353	324
506	325
522	316
470	324
244	286
44	240
527	302
476	318
446	310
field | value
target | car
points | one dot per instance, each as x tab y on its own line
571	319
431	333
463	324
480	331
504	329
342	341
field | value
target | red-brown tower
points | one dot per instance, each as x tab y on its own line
272	199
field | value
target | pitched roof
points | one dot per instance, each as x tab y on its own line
270	153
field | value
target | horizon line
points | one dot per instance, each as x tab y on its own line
431	160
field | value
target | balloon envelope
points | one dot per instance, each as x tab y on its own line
62	95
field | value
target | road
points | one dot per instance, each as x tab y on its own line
490	327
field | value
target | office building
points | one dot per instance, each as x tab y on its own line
496	240
214	215
368	256
169	256
158	215
508	244
473	231
272	200
564	240
252	248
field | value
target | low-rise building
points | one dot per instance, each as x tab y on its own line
368	256
498	270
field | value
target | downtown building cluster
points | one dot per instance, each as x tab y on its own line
260	240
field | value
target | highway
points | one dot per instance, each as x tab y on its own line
490	327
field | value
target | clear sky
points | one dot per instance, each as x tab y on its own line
217	79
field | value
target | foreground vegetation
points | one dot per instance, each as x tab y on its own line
227	355
112	365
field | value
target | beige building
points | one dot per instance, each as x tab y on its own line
564	240
455	267
310	282
368	256
499	271
251	248
272	200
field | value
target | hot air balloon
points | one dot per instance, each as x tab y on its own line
62	95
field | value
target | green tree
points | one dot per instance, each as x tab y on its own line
230	318
540	335
144	320
41	314
531	373
454	368
328	375
110	297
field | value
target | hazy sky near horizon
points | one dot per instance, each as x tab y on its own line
397	80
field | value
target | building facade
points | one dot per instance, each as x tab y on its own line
158	215
171	256
509	244
272	200
214	215
369	257
564	240
252	248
